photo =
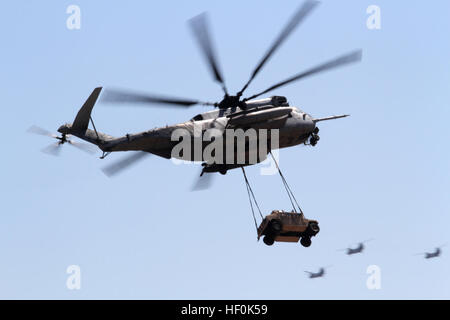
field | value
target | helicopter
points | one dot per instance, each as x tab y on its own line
319	274
358	249
232	112
436	253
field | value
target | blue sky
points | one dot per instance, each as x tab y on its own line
382	173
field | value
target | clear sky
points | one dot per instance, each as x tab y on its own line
382	173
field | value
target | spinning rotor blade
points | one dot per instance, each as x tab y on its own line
38	130
301	14
88	148
203	182
126	162
52	149
120	96
354	56
200	28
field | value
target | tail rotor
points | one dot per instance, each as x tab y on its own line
55	148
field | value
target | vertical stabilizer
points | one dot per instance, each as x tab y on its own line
82	119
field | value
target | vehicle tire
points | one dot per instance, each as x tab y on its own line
223	171
268	240
316	130
313	228
305	241
275	225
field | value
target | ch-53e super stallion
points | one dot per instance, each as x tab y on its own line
434	254
358	249
232	112
319	274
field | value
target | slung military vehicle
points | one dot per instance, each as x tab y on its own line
285	226
232	111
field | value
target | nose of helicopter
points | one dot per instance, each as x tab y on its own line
308	123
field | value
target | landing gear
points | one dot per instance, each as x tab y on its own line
305	241
105	154
314	137
214	168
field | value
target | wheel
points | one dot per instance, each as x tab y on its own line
313	228
268	240
316	130
306	241
223	171
276	226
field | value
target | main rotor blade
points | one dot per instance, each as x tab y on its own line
88	148
302	13
354	56
200	28
38	130
121	96
126	162
203	182
52	149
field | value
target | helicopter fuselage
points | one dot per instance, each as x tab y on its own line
269	116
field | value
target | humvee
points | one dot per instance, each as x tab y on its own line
286	226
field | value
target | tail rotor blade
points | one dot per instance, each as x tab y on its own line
126	162
201	31
38	130
352	57
298	17
53	149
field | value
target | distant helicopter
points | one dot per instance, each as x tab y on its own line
233	111
358	249
436	253
319	274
